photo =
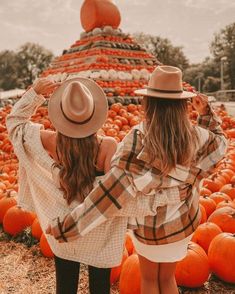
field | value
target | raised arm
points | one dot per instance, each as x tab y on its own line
215	144
18	120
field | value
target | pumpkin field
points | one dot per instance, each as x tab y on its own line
119	65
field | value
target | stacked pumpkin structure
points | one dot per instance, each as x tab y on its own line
119	65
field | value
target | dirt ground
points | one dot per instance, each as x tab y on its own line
24	271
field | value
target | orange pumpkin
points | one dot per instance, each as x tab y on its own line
225	218
205	192
45	247
16	220
36	229
130	280
99	13
208	203
129	244
225	203
212	183
221	255
116	271
229	189
193	271
203	214
205	233
6	203
219	196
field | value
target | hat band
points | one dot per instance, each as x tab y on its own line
165	91
76	122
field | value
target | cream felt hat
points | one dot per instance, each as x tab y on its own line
165	82
78	108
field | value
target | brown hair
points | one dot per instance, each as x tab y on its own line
77	165
170	137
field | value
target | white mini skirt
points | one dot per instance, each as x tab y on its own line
171	252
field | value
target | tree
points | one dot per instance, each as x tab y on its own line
223	45
8	70
163	50
206	73
32	60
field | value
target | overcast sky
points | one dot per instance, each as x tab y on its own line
55	24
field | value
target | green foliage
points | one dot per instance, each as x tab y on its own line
24	237
19	69
163	50
207	74
32	60
8	70
223	45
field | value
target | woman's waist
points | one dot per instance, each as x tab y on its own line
164	228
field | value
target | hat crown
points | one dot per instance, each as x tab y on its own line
166	78
77	102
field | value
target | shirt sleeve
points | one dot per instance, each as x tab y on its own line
17	121
105	201
214	141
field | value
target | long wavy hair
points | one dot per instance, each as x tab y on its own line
170	138
77	165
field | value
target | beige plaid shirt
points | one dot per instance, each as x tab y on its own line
160	209
38	192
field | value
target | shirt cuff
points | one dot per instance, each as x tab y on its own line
33	96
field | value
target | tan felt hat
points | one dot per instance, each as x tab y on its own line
165	82
78	108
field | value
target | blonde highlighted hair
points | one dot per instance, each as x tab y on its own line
77	165
170	138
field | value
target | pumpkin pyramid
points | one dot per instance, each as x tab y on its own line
105	54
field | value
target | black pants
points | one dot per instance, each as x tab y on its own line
67	276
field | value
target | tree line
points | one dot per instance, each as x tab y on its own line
206	74
19	68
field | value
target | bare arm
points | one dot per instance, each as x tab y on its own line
111	146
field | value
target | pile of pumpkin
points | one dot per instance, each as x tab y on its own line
212	246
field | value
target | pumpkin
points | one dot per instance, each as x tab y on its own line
226	203
204	192
221	255
116	271
99	13
205	233
225	218
36	229
6	203
212	183
45	247
229	189
129	244
219	197
193	271
203	214
16	220
208	203
130	280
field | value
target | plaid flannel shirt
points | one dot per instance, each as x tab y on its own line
160	209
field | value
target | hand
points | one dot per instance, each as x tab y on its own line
200	104
63	231
44	86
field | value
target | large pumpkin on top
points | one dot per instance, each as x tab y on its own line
99	13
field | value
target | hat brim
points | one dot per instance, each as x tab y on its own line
69	128
156	94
